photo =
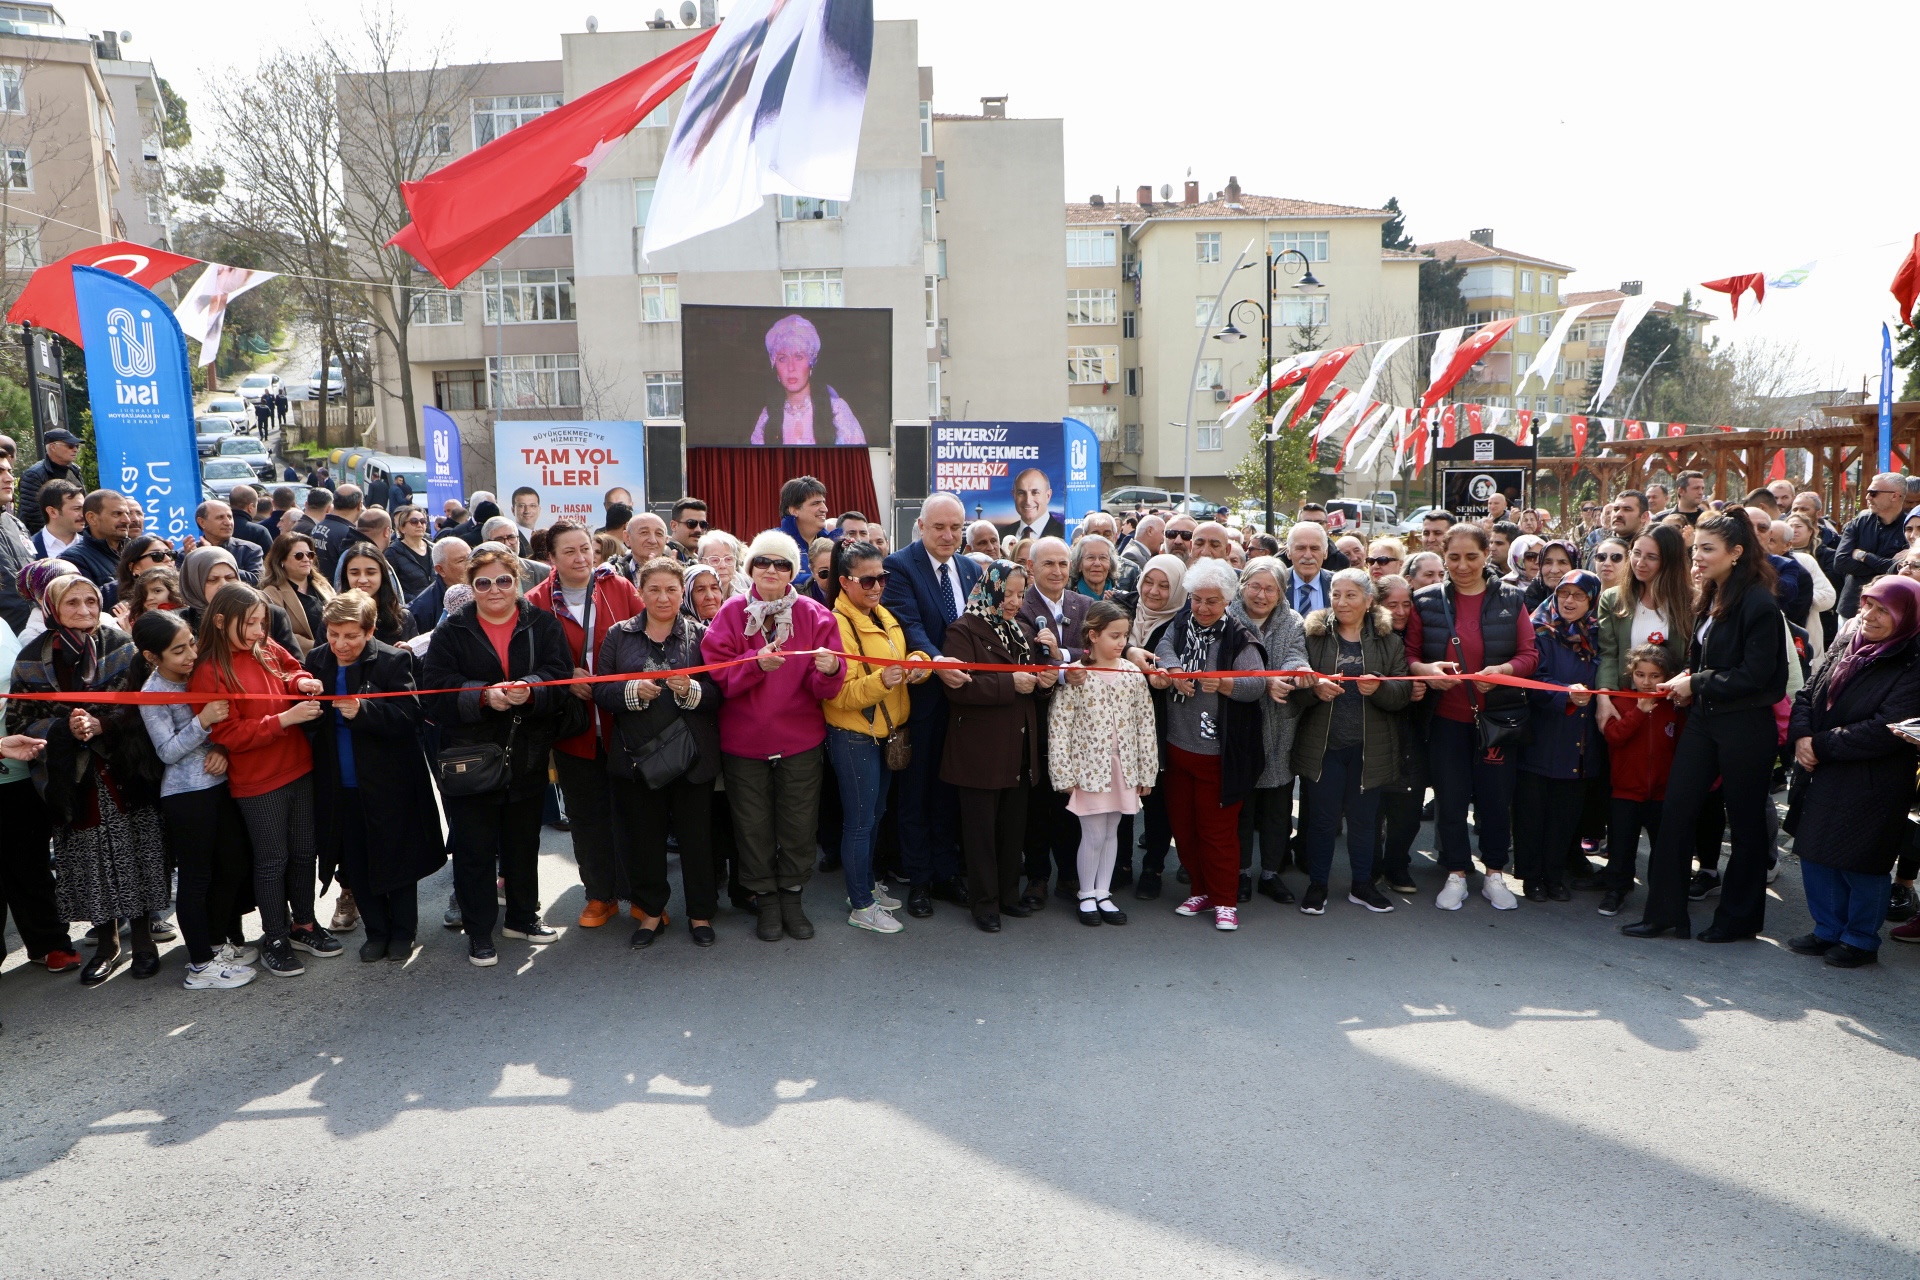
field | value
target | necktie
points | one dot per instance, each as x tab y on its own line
1305	598
947	609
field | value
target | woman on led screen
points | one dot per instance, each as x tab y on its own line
793	348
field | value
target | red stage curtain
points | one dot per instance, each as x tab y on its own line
742	486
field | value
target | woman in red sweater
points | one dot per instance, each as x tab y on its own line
270	767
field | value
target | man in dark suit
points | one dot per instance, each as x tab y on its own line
1309	586
1033	507
243	500
1057	615
216	530
928	588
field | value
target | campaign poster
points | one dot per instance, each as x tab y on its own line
568	465
796	376
1012	473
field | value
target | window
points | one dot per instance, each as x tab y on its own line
459	389
1577	334
812	288
1206	312
1546	285
658	118
807	209
933	389
933	306
535	382
663	395
1539	404
926	128
1127	326
642	200
1559	403
1526	282
1487	282
1134	380
927	220
1597	334
1206	437
1103	418
1092	364
939	179
493	117
1208	376
23	248
1576	370
438	306
528	296
1091	306
1301	309
558	221
156	209
1487	317
19	171
946	340
11	100
659	299
1091	246
1311	243
429	138
1206	246
942	255
1135	439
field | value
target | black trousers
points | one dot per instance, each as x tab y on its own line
991	825
1156	829
26	872
1546	822
393	916
498	829
1737	747
1268	815
641	816
208	839
1051	834
1623	838
1399	828
584	783
726	851
928	808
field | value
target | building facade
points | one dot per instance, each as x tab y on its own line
140	115
1501	284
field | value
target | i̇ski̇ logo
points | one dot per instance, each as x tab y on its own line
134	356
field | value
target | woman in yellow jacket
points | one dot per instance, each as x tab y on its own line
870	707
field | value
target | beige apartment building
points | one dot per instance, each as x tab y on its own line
953	225
140	114
1142	279
1502	284
1586	347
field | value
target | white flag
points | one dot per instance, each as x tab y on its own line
774	108
1444	345
1386	415
1632	311
1494	417
203	312
1345	413
1240	410
1549	354
1607	426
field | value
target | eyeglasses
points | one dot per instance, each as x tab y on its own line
1587	511
299	555
1608	557
696	524
1180	535
502	583
1382	560
416	519
868	581
769	562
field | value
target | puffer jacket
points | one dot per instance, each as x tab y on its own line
1384	653
859	704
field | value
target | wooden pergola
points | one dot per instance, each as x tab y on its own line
1566	473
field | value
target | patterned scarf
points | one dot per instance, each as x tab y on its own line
771	618
1583	636
80	650
1201	643
988	595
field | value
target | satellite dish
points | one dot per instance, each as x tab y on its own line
593	24
126	37
1166	191
689	13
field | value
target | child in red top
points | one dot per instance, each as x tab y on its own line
1640	743
269	768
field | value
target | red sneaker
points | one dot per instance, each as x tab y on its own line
1908	932
60	961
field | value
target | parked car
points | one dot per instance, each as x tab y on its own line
219	475
208	432
1411	526
252	451
1121	501
355	466
255	385
232	408
332	378
1359	517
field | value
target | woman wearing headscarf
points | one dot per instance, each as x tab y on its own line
1158	594
1268	813
1563	750
1557	559
203	571
702	592
993	739
98	776
1854	776
772	731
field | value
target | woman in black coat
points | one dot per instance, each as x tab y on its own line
662	724
375	821
1854	777
510	709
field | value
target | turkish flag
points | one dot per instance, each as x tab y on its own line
1324	371
1449	426
1676	428
1723	428
468	211
1734	286
1473	420
1906	281
1636	430
1779	469
1578	425
1464	358
1525	419
47	301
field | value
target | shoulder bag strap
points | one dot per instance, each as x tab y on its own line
1459	649
882	704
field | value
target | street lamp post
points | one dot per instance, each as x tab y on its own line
1232	334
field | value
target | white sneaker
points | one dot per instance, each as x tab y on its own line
217	975
1494	889
874	919
883	898
1452	894
1773	873
243	954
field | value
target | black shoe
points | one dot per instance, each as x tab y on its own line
1714	933
1810	944
793	916
1148	887
1110	914
1274	887
1648	929
953	889
1314	901
769	929
1181	875
1035	898
145	966
277	958
1368	896
399	950
1615	899
1703	886
539	932
1122	877
1536	890
371	950
702	934
919	902
451	918
987	924
1088	911
480	953
100	968
1593	884
1842	956
1019	911
645	937
1900	903
316	941
1246	887
1559	893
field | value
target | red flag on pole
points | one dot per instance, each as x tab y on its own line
1906	281
47	301
1734	286
1676	428
1525	419
1449	426
468	211
1578	425
1473	420
1464	358
1324	371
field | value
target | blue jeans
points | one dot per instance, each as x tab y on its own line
1338	794
1847	906
860	764
1461	775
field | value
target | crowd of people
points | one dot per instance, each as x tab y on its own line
366	692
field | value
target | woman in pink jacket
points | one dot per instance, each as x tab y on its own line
772	729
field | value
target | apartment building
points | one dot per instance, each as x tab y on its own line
1502	284
1142	279
953	225
140	115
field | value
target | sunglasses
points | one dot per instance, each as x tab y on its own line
1382	560
696	524
769	562
1530	555
299	555
416	519
159	554
868	581
502	583
1180	535
1608	557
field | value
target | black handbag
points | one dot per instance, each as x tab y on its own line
475	768
1492	730
662	759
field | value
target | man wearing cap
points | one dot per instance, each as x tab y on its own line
60	463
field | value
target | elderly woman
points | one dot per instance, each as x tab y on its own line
1091	569
1347	748
96	776
807	414
497	727
1385	556
992	751
1215	748
1158	595
1423	569
363	568
721	552
665	753
1523	557
701	592
1564	748
1557	559
1268	811
289	579
772	731
1848	814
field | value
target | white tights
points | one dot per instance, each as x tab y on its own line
1099	848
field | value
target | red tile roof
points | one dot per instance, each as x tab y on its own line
1470	251
1607	303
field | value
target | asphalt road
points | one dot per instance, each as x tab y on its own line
1419	1094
